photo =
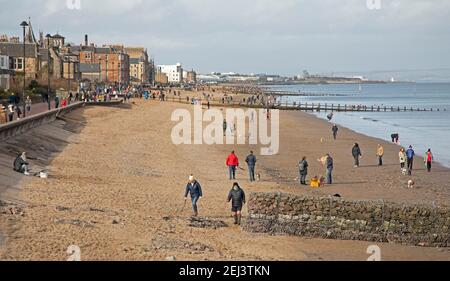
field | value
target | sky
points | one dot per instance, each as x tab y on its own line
255	36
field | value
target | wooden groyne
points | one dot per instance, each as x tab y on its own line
314	107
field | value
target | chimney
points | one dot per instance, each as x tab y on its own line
86	41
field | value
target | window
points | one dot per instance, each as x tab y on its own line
2	62
18	64
87	56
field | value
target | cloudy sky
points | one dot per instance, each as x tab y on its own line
255	36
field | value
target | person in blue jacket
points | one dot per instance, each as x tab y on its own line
195	190
410	159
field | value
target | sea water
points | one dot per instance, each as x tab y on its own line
422	130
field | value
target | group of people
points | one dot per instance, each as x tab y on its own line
406	158
13	107
236	196
232	163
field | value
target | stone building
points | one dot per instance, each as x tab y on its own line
114	64
140	67
161	78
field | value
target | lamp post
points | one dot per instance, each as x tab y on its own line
68	60
48	36
24	24
106	68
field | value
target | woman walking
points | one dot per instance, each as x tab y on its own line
428	160
402	158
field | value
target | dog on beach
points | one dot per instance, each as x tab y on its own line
322	182
411	184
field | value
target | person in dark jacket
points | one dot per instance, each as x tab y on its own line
225	127
335	130
237	198
356	152
12	99
194	189
21	164
330	167
303	169
251	162
56	101
410	159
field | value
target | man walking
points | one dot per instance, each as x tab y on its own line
225	126
232	163
356	152
195	190
237	198
251	162
380	154
303	169
330	167
410	159
335	130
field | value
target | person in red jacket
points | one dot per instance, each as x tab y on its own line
232	163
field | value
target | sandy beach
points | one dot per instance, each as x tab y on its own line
116	191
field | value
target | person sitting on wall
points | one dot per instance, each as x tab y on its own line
21	165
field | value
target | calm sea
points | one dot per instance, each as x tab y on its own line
423	130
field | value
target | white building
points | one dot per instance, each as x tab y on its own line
173	72
5	72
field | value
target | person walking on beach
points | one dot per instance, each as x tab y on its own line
356	152
380	154
402	158
237	198
335	130
193	189
428	160
225	127
330	167
232	163
410	159
251	163
303	170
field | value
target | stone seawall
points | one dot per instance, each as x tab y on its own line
334	218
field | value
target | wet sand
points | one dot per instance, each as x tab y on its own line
117	193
